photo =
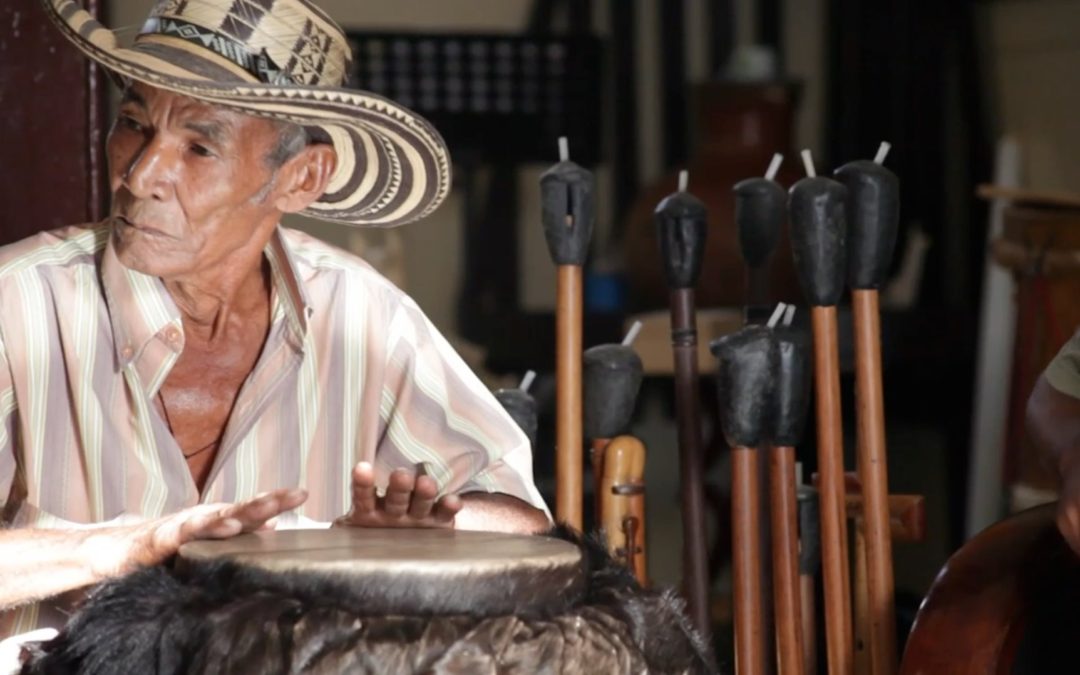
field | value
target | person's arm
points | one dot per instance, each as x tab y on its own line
1052	419
497	512
37	564
445	434
1053	424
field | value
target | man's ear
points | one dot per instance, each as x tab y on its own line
307	174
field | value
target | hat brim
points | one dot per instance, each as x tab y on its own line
393	167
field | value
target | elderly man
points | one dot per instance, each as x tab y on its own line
189	368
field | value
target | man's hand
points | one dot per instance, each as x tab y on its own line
152	542
410	501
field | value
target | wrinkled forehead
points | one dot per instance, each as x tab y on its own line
216	121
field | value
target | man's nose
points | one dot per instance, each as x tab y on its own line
151	171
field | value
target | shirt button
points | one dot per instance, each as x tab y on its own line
172	335
127	352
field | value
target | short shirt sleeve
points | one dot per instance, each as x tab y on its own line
438	414
1063	372
8	419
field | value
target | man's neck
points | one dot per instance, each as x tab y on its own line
238	288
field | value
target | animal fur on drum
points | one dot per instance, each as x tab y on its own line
223	618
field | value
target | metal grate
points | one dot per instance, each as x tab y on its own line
506	97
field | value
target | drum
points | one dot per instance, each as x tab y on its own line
1005	602
350	600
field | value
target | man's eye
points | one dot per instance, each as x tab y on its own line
130	123
201	150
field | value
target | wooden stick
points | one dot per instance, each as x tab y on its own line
808	605
834	553
746	562
809	565
596	458
622	492
873	474
568	399
862	603
785	561
691	459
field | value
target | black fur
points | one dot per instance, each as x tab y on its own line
222	618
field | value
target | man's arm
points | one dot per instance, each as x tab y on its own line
1053	424
37	564
497	512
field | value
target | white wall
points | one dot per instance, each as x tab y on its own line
1035	55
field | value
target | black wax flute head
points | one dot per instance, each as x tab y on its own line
746	379
760	212
681	225
793	373
819	238
568	211
873	218
522	407
612	378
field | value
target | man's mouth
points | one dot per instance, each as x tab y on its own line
142	228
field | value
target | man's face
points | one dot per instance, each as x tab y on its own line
190	182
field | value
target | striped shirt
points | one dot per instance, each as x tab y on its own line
351	370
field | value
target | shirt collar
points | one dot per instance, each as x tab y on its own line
287	286
139	306
141	309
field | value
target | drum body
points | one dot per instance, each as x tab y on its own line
380	601
1004	604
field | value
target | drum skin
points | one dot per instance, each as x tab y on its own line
221	617
1007	602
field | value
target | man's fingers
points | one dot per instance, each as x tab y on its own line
399	493
447	508
423	497
209	525
253	514
363	489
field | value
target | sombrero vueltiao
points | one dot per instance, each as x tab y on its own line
287	60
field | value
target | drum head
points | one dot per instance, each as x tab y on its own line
411	571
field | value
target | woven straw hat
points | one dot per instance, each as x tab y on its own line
287	60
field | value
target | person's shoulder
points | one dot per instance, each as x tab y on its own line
317	259
58	248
